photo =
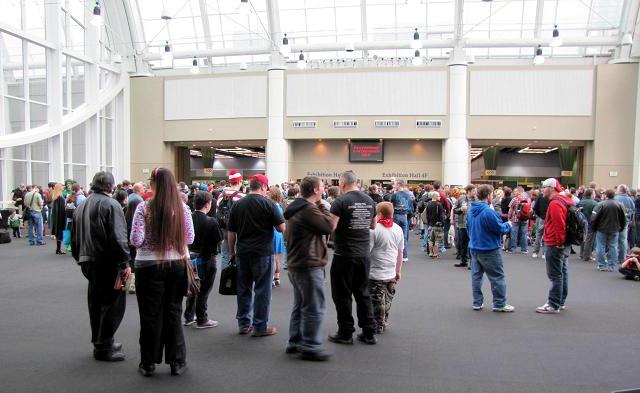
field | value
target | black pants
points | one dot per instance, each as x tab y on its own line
16	232
463	245
350	277
106	305
447	226
629	273
160	289
197	305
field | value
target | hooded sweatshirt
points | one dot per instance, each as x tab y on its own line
307	224
485	227
555	223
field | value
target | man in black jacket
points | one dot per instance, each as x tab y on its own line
608	220
205	245
100	246
308	222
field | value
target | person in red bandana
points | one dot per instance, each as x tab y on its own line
387	243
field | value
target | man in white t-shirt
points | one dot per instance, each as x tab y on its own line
387	243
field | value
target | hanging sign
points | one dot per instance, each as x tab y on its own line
490	172
566	173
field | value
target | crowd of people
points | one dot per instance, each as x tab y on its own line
148	238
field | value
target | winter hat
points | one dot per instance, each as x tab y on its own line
234	176
553	183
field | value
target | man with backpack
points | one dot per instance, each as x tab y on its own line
519	215
225	201
559	222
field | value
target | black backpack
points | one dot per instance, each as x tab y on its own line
223	211
576	223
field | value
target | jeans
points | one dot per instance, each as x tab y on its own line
254	272
197	305
519	236
556	258
35	224
489	262
350	278
463	245
539	243
447	226
622	245
425	238
224	251
160	289
305	331
586	249
401	220
607	242
106	305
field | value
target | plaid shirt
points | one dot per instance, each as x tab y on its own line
513	214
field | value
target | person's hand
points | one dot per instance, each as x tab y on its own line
398	277
125	273
510	224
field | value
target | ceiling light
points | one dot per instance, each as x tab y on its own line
529	150
117	59
167	56
243	66
244	8
302	64
96	19
165	14
627	39
539	58
286	48
194	68
349	47
416	43
417	60
556	41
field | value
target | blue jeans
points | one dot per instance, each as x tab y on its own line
254	272
558	275
539	243
35	224
607	243
401	220
622	244
519	236
425	238
305	331
489	262
224	251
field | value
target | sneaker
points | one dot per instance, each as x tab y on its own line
534	255
509	252
206	325
315	356
189	323
367	339
563	307
405	259
601	269
505	308
477	308
547	309
269	331
461	264
612	269
245	330
525	252
341	339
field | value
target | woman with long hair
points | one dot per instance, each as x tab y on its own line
162	228
278	239
58	216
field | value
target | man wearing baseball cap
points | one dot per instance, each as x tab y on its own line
227	198
555	230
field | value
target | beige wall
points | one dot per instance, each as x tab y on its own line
530	127
406	159
366	128
614	124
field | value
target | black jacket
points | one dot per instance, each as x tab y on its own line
540	207
58	217
207	235
608	217
307	225
99	232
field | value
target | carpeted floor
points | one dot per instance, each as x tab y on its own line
435	343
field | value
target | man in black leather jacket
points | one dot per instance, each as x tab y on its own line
100	246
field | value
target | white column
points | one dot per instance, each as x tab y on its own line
91	91
277	152
54	91
635	182
456	163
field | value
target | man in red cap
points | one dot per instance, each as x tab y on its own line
555	230
227	198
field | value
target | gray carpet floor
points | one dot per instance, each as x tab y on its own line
435	343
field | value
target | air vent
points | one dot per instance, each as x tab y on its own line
305	124
345	124
387	123
428	123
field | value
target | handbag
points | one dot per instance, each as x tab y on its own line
193	281
229	279
66	236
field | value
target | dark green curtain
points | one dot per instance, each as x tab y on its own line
208	154
490	157
568	156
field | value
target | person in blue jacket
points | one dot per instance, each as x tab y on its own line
485	229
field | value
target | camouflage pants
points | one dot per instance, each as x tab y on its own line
436	236
382	293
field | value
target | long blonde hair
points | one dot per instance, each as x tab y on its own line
57	191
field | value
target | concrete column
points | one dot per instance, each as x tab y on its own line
635	182
456	163
54	91
277	148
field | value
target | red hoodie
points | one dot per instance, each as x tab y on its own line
555	224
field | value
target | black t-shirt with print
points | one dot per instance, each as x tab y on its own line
252	218
356	211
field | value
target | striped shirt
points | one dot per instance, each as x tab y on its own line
227	192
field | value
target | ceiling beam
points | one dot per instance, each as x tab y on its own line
273	17
539	14
363	25
206	28
458	22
